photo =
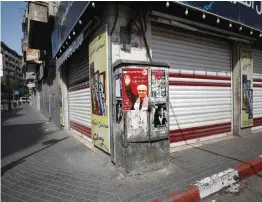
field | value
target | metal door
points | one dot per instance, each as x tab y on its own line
79	101
257	82
200	94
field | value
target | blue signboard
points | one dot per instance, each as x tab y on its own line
16	92
67	15
248	13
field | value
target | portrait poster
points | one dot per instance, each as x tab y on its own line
135	89
160	116
119	111
246	88
158	83
99	91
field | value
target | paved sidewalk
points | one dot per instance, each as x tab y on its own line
42	163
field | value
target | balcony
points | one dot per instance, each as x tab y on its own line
31	71
39	28
30	76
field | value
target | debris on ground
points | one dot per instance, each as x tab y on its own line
233	188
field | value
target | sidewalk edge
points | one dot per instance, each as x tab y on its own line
210	185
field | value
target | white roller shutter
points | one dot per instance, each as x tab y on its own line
79	93
257	88
199	84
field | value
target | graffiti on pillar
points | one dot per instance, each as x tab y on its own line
246	88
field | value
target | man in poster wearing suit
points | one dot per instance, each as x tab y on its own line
139	102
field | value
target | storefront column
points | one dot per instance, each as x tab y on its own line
236	87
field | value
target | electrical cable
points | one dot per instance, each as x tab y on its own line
115	20
144	37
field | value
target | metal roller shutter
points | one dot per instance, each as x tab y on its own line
199	84
257	88
79	93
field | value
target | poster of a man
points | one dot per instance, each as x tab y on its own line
160	118
119	112
135	91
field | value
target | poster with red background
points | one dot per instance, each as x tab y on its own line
135	89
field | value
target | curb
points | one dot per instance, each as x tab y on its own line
210	185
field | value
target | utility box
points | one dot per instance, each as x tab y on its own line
140	116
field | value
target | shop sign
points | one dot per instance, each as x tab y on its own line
67	15
70	50
248	13
246	63
32	54
98	60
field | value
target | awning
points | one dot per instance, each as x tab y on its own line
70	50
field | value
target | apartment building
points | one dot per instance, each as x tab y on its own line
11	64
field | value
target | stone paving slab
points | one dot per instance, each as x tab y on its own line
40	162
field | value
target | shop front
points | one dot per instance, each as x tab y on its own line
257	82
200	92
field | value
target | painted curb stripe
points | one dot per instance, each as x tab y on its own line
249	168
215	183
190	194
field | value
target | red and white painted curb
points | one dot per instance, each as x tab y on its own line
215	183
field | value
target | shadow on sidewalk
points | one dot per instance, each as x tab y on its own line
228	157
10	114
18	137
21	160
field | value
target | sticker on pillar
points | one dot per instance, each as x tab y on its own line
246	89
135	89
158	84
160	116
119	111
118	86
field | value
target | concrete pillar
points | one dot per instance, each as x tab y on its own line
64	92
236	82
132	157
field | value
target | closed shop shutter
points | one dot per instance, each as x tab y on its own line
79	93
199	84
257	88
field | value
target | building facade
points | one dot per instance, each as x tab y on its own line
11	64
213	86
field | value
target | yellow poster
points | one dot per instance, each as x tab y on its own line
99	91
246	88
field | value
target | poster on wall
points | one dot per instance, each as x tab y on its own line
135	89
99	88
160	116
119	111
118	86
246	89
158	84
